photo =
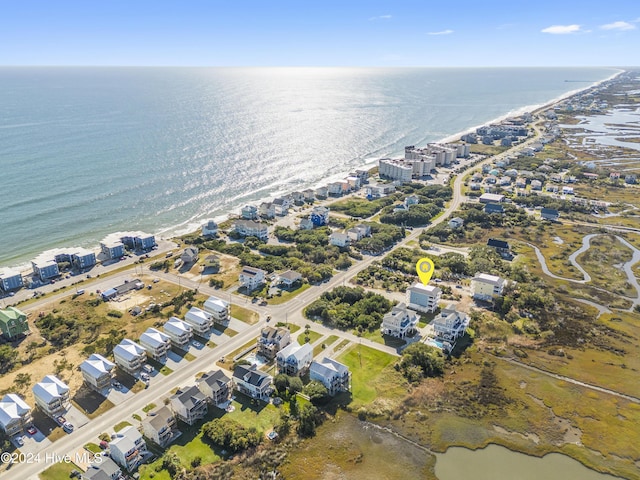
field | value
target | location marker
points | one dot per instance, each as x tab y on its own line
425	269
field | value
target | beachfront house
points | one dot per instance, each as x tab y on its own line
281	206
485	287
45	269
294	359
129	356
160	426
272	340
10	280
252	278
128	449
332	374
399	322
112	248
218	309
210	229
450	324
13	323
252	382
423	298
97	372
249	212
189	404
104	469
216	386
179	332
267	210
15	414
156	343
51	396
199	320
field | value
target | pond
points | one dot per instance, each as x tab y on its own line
499	463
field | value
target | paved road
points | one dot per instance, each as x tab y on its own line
289	312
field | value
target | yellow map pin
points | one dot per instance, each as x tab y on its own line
425	269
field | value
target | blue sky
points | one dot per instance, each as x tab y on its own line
320	33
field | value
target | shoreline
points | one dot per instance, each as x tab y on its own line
189	226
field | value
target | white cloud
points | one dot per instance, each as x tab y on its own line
562	29
443	32
618	26
380	17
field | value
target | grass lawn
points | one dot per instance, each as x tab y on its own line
371	374
92	447
165	370
244	314
254	413
313	336
189	357
58	471
149	407
285	296
119	426
341	345
376	336
326	343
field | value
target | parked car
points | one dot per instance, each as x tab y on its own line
148	368
32	430
116	384
20	441
67	427
61	420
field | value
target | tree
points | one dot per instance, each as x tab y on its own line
308	421
281	382
316	392
8	357
22	380
295	385
428	359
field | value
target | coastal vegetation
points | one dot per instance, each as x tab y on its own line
349	308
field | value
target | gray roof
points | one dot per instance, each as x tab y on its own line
105	470
159	418
189	397
251	375
216	380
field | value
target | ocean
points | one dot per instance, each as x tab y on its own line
89	151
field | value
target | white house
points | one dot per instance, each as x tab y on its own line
51	396
485	286
216	386
332	374
249	228
249	212
252	382
288	278
218	309
15	414
105	469
199	320
156	343
294	359
456	222
359	232
128	448
210	229
450	324
339	239
97	372
129	356
399	322
423	298
252	278
179	332
267	210
160	426
189	404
